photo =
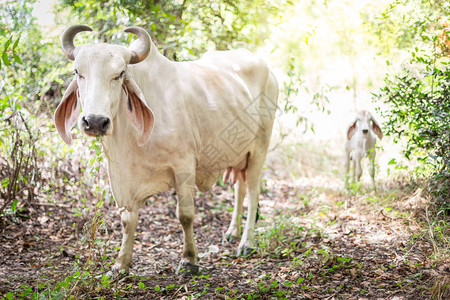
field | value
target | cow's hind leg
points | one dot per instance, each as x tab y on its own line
233	233
255	163
129	223
185	213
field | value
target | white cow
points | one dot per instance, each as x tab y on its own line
172	125
361	143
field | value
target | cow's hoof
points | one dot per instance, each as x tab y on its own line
245	251
187	269
230	239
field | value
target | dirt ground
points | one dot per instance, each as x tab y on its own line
314	243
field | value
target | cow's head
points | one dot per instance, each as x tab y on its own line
364	122
102	85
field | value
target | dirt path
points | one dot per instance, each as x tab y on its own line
313	244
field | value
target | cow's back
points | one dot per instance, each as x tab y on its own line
249	67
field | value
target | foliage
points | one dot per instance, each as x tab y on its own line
403	23
181	29
30	84
16	137
419	100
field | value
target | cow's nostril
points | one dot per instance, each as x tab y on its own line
85	122
105	125
365	130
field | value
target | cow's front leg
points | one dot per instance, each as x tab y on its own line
372	168
233	233
347	168
185	214
358	169
352	169
129	223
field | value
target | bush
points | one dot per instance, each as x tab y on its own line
419	100
30	84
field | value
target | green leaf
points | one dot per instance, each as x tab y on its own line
17	58
7	43
392	161
300	279
16	43
5	59
14	205
9	296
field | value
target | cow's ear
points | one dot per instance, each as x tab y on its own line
140	115
376	128
351	130
66	114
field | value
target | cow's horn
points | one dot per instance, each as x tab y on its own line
67	39
140	48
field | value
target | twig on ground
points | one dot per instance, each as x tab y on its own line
381	211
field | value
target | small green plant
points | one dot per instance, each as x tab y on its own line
354	188
280	237
10	49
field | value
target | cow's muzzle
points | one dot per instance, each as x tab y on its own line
95	125
365	131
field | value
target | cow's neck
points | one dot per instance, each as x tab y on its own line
125	157
123	135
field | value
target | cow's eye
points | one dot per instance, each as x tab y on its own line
77	73
120	75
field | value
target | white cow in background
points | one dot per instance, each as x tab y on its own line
172	125
361	139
